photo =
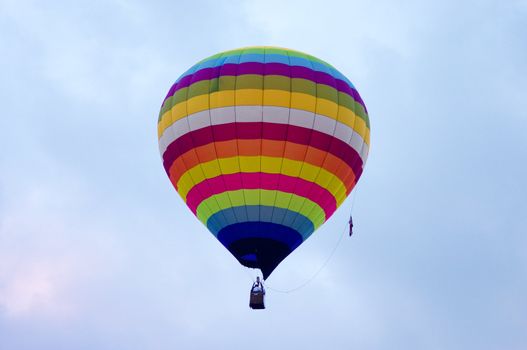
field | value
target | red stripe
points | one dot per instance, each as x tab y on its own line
259	130
264	181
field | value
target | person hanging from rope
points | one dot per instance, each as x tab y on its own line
351	225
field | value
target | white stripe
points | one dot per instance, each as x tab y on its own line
271	114
365	152
325	124
181	128
200	120
301	118
343	132
278	115
249	114
223	115
356	142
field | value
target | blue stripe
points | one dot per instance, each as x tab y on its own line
276	58
252	57
261	214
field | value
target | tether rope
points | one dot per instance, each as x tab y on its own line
337	244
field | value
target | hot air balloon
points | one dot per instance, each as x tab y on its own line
263	144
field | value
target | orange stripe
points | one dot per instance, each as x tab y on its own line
269	148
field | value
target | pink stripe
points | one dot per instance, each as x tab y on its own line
264	181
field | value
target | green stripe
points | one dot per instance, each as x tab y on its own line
275	82
228	199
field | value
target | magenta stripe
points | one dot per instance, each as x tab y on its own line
231	69
264	181
268	131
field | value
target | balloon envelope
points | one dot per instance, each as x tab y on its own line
263	144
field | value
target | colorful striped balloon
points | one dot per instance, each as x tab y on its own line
263	144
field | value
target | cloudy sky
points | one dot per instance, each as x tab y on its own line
97	251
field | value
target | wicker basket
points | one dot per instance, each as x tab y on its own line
256	301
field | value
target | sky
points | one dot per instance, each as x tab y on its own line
97	250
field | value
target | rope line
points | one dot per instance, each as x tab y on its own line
343	233
316	272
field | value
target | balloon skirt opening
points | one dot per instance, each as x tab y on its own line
260	245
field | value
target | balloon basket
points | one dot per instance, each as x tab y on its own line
256	301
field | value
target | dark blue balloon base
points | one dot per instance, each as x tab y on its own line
260	245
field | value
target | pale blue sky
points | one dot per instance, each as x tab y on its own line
97	251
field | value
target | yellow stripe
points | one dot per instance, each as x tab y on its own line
278	98
270	165
278	199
